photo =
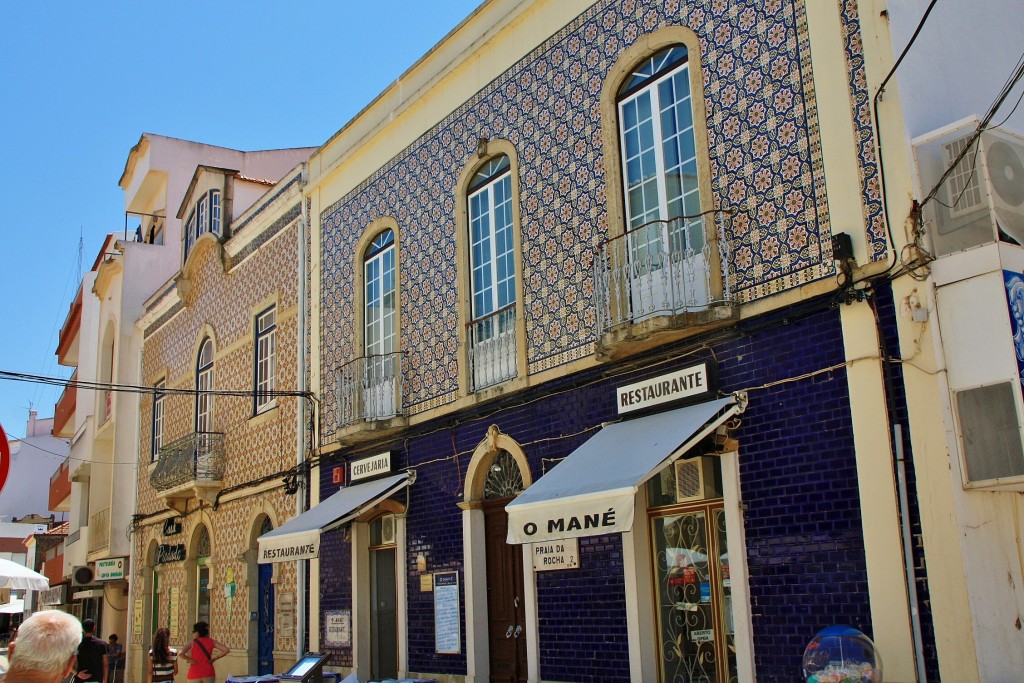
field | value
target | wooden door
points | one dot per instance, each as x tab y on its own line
506	614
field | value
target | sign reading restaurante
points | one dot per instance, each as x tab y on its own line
689	382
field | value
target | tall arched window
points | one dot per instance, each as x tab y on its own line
379	334
492	334
204	384
661	190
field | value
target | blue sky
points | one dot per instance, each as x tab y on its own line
80	82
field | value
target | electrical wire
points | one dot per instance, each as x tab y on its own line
140	389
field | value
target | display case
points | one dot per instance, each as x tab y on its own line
841	654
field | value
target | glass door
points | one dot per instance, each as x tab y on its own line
694	611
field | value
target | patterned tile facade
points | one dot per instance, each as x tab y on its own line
220	302
805	548
765	162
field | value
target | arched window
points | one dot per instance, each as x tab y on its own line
204	384
663	258
380	341
379	300
492	266
504	478
659	157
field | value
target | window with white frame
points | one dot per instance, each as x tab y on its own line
658	148
492	274
266	333
205	217
668	259
381	369
204	385
158	419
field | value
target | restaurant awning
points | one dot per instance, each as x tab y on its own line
299	538
591	492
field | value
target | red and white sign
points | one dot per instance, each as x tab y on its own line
5	458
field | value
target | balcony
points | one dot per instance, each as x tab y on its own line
370	389
64	411
99	535
492	348
60	488
661	281
75	546
191	467
67	342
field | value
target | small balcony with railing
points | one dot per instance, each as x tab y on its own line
369	395
59	496
492	348
191	467
64	411
99	536
661	281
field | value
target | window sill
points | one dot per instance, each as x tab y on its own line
267	413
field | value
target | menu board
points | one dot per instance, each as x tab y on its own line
446	613
172	610
338	628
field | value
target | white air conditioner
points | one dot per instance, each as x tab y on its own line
695	479
982	199
81	576
388	530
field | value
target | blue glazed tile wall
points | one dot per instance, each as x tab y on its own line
798	475
765	162
335	585
803	531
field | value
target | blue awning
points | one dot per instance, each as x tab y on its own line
299	538
592	491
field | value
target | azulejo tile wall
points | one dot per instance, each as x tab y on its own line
220	301
765	162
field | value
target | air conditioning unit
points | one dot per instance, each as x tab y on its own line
388	530
982	199
82	576
696	479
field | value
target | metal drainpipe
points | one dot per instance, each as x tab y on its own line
899	464
300	442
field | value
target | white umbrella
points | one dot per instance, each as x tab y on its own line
20	577
15	606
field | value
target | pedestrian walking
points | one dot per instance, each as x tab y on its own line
163	659
47	642
92	655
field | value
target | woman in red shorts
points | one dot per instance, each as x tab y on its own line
201	653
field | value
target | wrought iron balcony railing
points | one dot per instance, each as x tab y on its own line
370	388
99	535
665	267
198	457
492	348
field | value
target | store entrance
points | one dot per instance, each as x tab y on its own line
506	613
694	593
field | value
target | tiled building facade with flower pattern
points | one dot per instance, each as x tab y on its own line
804	552
218	299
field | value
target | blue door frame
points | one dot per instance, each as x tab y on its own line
265	637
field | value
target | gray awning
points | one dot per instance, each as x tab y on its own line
592	491
299	538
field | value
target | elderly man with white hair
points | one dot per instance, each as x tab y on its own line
47	643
